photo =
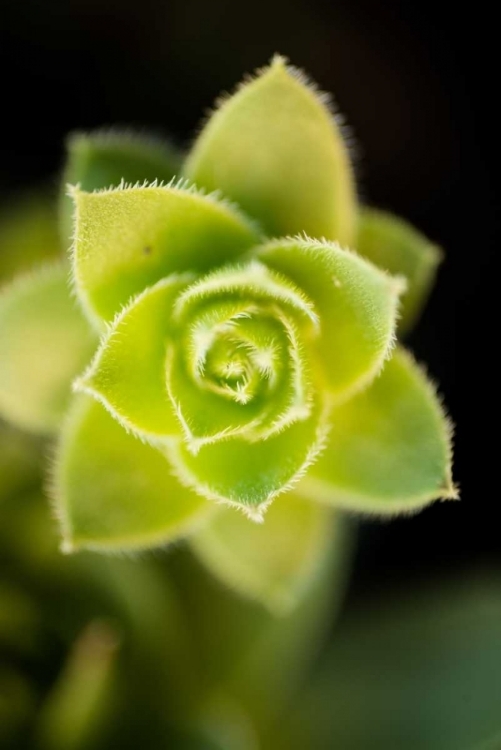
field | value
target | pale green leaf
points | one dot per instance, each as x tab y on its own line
113	491
422	672
105	158
276	149
272	562
128	239
396	246
45	341
249	475
128	373
389	448
28	233
357	305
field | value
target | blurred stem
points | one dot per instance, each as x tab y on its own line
79	702
255	661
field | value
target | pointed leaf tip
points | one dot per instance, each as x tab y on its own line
390	447
127	374
275	148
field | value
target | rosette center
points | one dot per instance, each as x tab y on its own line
240	357
238	367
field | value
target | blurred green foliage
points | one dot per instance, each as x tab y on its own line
422	672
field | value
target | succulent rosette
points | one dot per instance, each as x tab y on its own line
230	338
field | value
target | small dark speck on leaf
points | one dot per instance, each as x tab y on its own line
147	250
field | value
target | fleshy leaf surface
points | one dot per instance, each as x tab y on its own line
105	158
46	341
275	148
128	373
272	562
114	492
128	239
357	305
396	246
250	475
389	449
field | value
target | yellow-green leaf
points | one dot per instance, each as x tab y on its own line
276	149
356	303
272	562
128	239
249	475
389	449
105	158
399	248
45	341
114	492
128	372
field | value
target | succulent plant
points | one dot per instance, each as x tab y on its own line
218	353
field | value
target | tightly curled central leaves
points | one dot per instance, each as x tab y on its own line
239	366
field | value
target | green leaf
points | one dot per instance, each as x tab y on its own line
276	149
273	562
105	158
250	475
424	673
114	492
356	303
128	372
45	342
390	447
128	239
395	246
28	233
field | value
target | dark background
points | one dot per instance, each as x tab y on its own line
416	82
